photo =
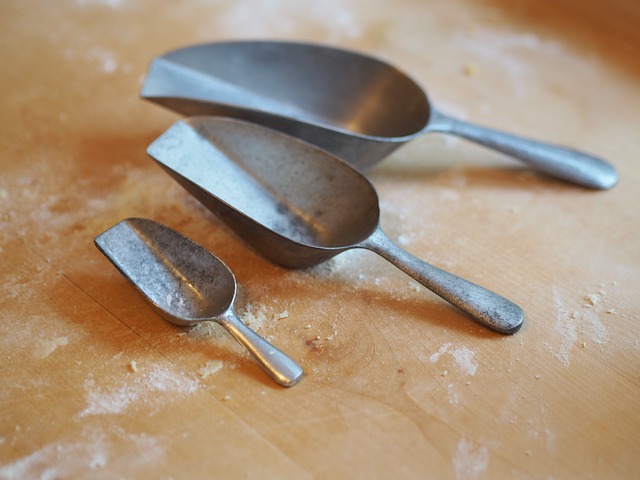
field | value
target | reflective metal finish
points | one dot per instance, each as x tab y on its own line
187	285
299	205
352	105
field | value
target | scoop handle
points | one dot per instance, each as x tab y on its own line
486	307
280	367
561	162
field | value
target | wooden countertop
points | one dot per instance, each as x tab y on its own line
399	385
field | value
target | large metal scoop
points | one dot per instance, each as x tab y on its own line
187	285
352	105
299	205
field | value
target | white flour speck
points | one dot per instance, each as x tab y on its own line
434	358
109	3
404	240
166	380
470	460
47	347
207	329
464	358
565	328
145	387
452	395
121	452
592	300
594	328
254	315
210	368
111	401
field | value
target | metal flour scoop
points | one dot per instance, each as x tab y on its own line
352	105
187	285
299	205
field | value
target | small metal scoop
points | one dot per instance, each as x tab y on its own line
187	285
299	205
352	105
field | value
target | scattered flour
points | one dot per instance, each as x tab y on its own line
565	327
452	395
108	3
255	315
259	317
434	358
284	18
462	356
106	60
47	347
404	240
210	368
470	460
161	379
115	450
592	300
507	52
146	387
586	320
206	329
594	328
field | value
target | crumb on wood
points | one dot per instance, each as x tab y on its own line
592	300
471	69
210	368
314	343
133	366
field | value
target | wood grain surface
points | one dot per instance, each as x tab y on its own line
93	384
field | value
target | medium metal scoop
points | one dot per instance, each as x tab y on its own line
352	105
187	285
299	205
